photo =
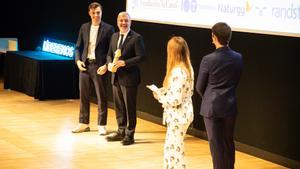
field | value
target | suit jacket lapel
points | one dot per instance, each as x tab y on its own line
115	41
88	32
99	33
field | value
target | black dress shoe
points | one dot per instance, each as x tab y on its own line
115	137
127	140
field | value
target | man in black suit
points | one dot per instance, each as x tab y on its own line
218	78
91	50
125	52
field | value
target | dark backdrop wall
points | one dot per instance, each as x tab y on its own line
268	94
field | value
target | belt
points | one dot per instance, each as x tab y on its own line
91	60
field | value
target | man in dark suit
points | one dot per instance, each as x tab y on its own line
218	78
91	50
125	52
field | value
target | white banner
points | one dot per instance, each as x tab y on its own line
278	17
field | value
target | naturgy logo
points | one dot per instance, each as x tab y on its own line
237	10
230	9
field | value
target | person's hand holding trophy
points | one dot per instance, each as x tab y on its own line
113	67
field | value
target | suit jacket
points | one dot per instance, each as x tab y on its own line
105	32
133	52
217	80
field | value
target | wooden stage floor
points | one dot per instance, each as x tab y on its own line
37	135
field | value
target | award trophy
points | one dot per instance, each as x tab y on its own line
116	58
117	55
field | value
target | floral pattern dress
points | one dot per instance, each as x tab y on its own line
178	115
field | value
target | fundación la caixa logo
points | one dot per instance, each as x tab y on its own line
154	3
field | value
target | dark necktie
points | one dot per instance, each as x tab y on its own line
121	41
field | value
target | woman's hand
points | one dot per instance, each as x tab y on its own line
155	95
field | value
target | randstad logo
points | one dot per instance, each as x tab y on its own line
291	12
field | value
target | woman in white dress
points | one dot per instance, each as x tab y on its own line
176	98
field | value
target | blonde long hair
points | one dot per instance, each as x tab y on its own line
178	54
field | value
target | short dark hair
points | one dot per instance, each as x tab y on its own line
223	32
94	5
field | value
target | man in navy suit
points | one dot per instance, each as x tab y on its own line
218	77
91	50
125	52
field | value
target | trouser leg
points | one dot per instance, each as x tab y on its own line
84	91
129	97
100	89
229	148
119	108
214	129
174	154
